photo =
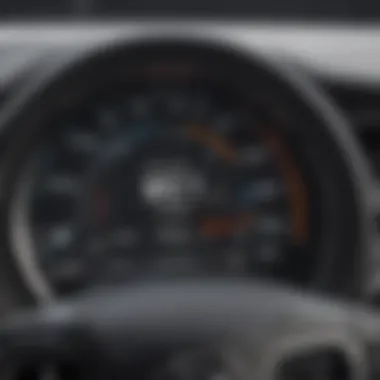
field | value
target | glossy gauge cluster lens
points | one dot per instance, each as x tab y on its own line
162	181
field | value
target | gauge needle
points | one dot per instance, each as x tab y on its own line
213	141
225	226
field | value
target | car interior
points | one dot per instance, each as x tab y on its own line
189	190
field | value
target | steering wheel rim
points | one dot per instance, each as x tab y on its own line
137	329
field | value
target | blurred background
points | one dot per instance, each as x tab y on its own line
337	10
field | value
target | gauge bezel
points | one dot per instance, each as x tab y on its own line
324	144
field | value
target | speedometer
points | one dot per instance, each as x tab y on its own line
178	159
171	180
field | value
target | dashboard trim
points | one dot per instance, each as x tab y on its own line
342	52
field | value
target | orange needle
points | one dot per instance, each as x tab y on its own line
213	141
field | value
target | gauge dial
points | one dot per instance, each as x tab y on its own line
185	159
164	182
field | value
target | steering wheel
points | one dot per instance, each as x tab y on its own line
187	330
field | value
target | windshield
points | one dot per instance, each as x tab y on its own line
265	9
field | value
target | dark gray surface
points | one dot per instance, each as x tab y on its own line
295	9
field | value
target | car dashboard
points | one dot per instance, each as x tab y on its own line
148	149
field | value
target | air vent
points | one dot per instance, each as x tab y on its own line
362	107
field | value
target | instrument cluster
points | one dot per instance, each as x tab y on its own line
172	158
